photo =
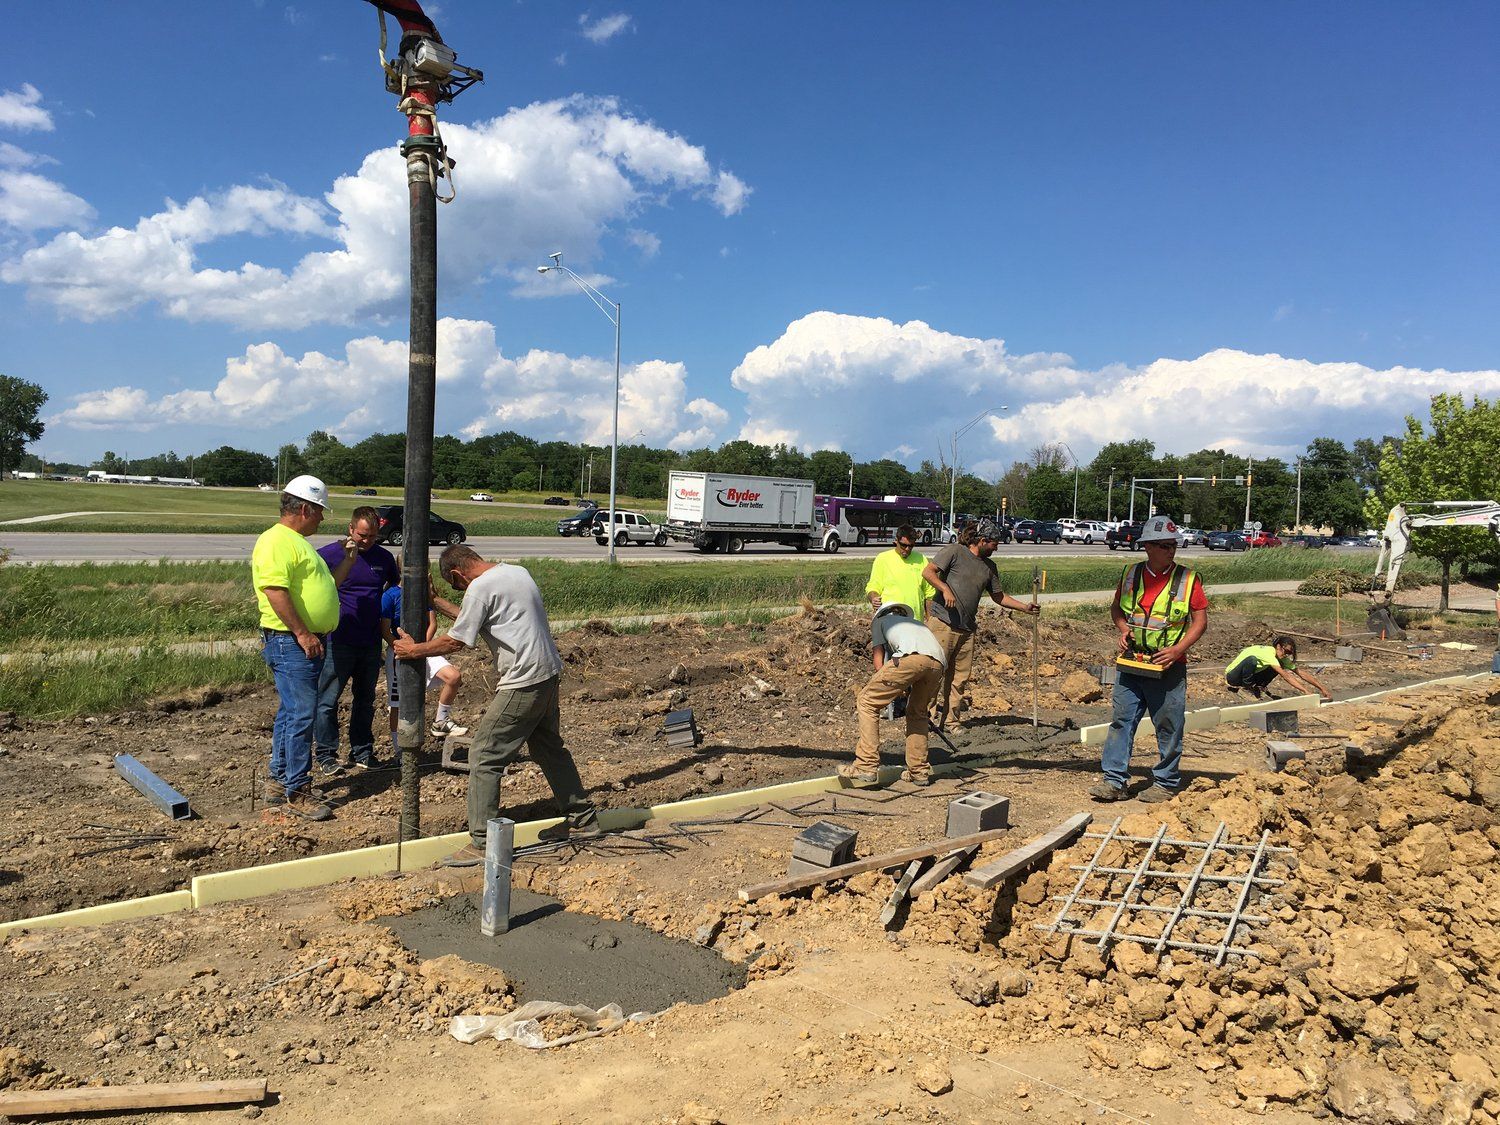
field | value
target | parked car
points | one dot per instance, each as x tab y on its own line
1038	531
262	487
1084	531
1264	539
1225	541
1189	537
1123	536
556	501
1306	541
580	523
482	497
439	530
364	492
630	527
585	503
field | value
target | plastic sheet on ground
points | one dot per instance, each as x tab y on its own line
524	1025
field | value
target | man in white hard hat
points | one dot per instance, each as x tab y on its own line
299	605
1160	610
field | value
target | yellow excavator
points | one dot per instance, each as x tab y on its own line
1394	540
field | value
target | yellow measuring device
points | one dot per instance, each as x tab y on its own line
1138	665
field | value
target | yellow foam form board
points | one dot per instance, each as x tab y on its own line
147	907
1290	703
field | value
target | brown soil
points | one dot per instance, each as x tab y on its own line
774	702
1373	993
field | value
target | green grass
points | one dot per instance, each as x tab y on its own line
224	511
113	683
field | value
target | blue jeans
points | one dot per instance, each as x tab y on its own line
360	664
1165	699
297	685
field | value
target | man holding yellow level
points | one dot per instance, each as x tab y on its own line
1160	610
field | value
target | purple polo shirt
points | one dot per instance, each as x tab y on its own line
359	596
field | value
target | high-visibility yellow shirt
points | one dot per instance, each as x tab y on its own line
284	558
900	580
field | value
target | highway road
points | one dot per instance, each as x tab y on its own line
79	547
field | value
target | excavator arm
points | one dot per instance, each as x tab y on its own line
1396	539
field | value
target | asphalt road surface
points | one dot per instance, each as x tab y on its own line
71	547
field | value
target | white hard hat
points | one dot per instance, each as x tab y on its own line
1157	528
308	488
894	608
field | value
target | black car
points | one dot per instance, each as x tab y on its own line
439	530
1307	541
1038	531
1123	536
580	523
556	501
1226	541
364	492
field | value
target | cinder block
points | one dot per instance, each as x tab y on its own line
797	867
977	812
456	753
1495	664
1353	654
1279	753
825	844
1275	722
1109	675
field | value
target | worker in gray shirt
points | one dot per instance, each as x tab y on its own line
503	606
962	574
914	663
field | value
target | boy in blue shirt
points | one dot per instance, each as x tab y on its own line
439	670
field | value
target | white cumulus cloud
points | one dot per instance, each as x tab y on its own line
22	110
29	202
480	390
605	28
548	175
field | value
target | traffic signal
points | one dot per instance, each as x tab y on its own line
1179	480
1213	482
1249	480
1004	503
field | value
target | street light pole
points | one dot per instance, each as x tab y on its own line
953	460
604	304
1109	503
1073	455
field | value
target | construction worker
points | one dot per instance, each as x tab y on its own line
896	577
503	605
913	665
298	599
962	574
1257	666
1160	610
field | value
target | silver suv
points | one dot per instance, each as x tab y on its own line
630	527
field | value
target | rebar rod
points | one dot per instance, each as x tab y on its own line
1259	880
1192	887
1088	869
1134	883
1190	912
1244	898
1195	843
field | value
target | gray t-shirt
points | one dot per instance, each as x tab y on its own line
902	636
970	578
505	607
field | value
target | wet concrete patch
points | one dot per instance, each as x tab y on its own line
553	954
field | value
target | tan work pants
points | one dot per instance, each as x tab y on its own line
919	675
959	648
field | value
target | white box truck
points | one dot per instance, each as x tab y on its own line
724	511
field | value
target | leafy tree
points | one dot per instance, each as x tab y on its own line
21	405
1012	488
1331	494
1458	460
1049	492
234	468
829	469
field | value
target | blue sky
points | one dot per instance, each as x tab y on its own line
846	226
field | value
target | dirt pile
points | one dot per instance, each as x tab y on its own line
1374	988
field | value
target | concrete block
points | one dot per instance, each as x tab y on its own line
1275	722
147	907
977	812
797	867
1352	654
1279	753
825	844
1109	675
456	753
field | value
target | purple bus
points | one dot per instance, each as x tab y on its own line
847	519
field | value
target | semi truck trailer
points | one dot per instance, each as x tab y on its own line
724	511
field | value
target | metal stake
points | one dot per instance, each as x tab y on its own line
499	844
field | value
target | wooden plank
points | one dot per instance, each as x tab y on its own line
898	896
1023	857
860	866
941	870
159	1095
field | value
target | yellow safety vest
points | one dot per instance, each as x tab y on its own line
1161	624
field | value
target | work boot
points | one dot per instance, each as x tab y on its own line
309	805
466	856
920	780
275	793
583	829
1156	795
858	779
1106	791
